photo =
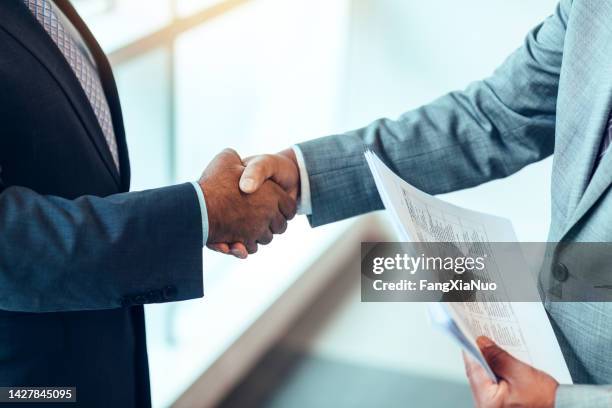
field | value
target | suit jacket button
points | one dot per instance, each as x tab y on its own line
169	293
560	272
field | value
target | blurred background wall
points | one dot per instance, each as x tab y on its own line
196	76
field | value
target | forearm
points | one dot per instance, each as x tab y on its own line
99	253
490	130
438	148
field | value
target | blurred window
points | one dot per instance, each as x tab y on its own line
188	7
194	77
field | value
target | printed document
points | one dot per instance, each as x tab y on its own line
521	328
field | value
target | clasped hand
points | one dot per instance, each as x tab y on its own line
248	201
519	385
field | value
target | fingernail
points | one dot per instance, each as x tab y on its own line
247	184
484	342
237	253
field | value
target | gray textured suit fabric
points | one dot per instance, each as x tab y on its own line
551	95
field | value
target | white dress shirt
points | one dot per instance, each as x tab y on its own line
304	202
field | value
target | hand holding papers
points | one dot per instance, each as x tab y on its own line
522	328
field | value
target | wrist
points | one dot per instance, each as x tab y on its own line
203	210
209	198
289	153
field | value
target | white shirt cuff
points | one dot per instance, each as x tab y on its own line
304	200
203	211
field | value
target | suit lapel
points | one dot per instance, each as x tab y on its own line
110	88
19	22
591	66
591	181
598	185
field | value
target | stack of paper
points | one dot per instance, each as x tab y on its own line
521	328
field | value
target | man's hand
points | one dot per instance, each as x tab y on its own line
247	219
519	385
280	168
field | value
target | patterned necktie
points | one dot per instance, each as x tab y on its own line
86	73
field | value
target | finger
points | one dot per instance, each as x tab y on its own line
477	376
481	386
238	249
249	159
221	247
258	170
500	361
278	224
266	238
251	247
287	205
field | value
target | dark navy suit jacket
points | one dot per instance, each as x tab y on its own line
79	255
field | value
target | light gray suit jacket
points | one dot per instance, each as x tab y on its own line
554	94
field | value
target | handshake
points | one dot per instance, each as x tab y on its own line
250	200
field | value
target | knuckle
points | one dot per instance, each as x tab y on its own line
258	161
229	150
255	164
267	161
282	228
495	356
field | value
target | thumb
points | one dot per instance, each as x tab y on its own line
257	171
500	361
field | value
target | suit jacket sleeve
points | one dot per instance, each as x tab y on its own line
99	253
490	130
576	396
